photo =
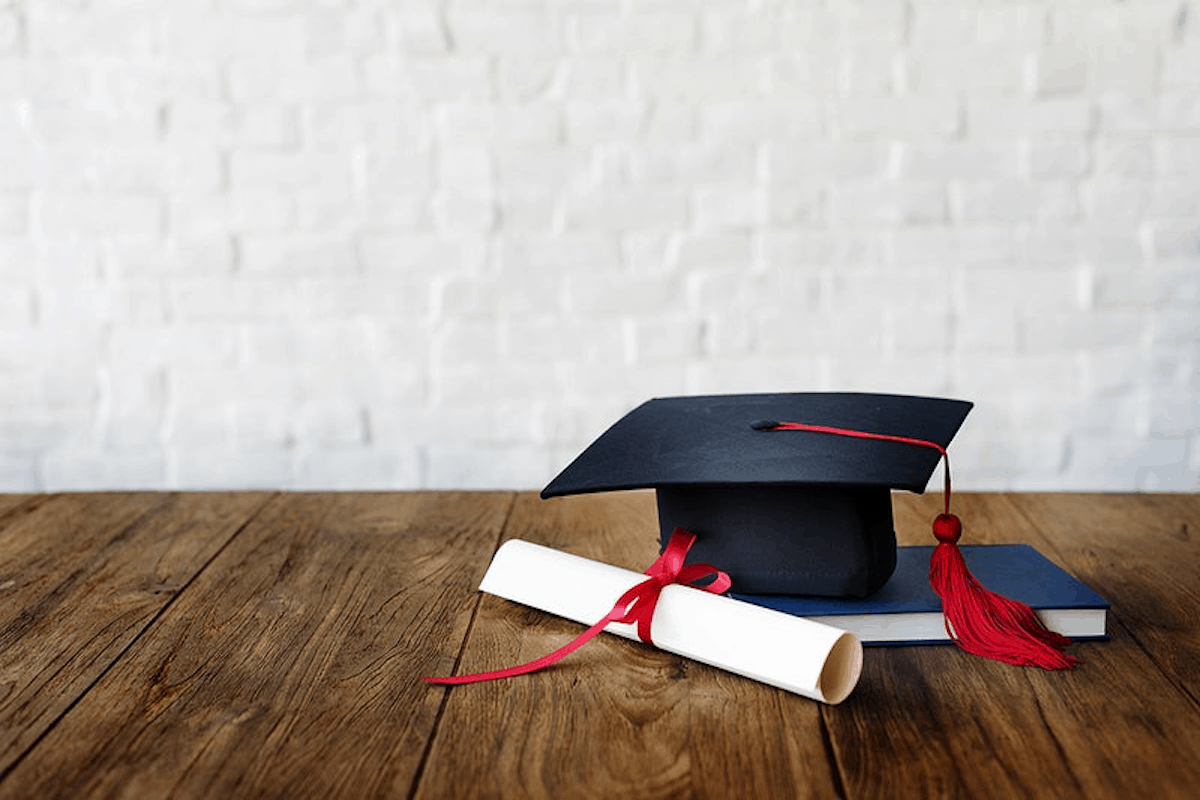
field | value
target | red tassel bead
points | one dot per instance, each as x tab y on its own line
947	528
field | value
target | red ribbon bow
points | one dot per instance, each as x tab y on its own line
635	606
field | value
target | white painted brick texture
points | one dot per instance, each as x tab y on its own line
381	244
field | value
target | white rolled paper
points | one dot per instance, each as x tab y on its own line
802	656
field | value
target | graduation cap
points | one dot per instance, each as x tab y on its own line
803	513
791	494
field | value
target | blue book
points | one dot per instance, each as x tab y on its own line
906	610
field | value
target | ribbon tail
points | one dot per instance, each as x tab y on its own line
532	666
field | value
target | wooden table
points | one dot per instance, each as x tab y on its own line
253	644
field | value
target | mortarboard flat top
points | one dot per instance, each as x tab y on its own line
782	512
686	441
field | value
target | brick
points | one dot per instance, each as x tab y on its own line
976	71
694	163
495	124
542	339
783	206
756	121
525	80
51	80
19	474
742	374
232	299
259	79
297	254
14	214
821	162
1127	67
131	82
421	252
218	123
449	79
228	36
97	214
872	71
1013	201
95	34
1116	200
1181	67
855	117
1055	159
621	296
390	466
344	30
949	161
623	209
589	78
202	466
1177	157
486	467
54	125
1174	199
75	470
670	341
1155	22
887	203
16	307
587	252
144	348
699	78
1067	330
600	31
966	246
872	20
787	249
420	31
604	122
990	117
1105	463
811	75
740	207
510	31
327	171
703	251
11	33
203	216
1174	112
1061	72
496	297
1176	241
1125	158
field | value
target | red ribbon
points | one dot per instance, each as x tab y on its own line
635	606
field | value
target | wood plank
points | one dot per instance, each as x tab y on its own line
617	718
11	501
83	576
932	721
940	722
290	667
1136	695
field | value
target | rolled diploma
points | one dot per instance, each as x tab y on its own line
802	656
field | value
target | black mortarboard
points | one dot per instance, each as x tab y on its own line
796	512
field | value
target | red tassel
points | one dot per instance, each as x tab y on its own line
983	622
980	622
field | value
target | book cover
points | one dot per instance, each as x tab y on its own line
906	610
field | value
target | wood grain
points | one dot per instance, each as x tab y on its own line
290	667
947	723
82	577
237	644
616	718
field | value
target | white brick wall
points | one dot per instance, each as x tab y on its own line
382	243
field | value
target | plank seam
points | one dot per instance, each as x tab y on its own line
835	766
419	773
138	637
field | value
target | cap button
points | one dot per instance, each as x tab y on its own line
947	528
